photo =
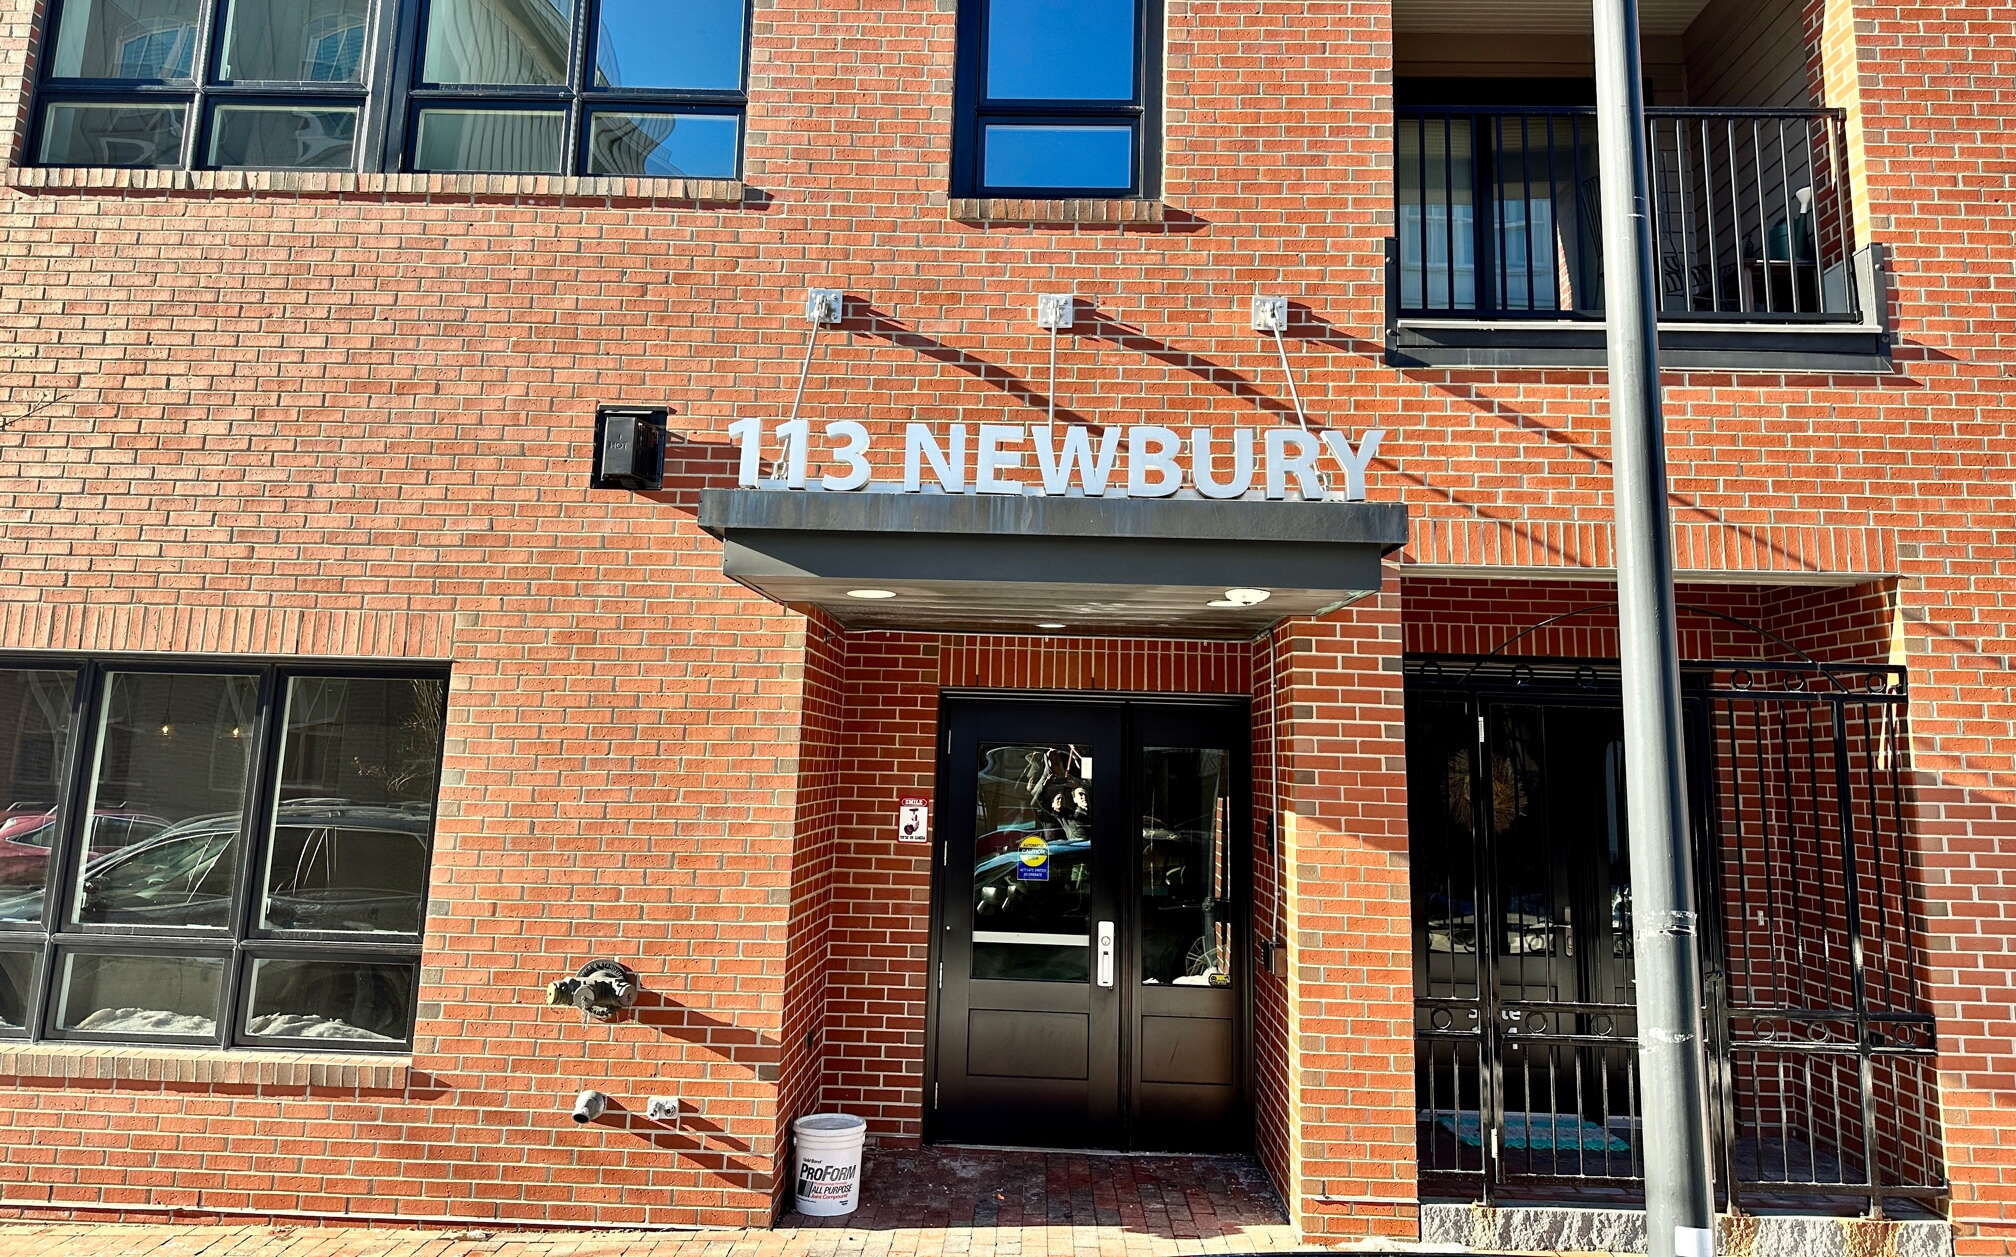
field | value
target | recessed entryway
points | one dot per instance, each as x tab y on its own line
1090	922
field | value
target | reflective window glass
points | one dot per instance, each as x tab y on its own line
503	42
147	136
282	137
358	773
17	988
690	146
499	141
175	749
126	39
35	734
1043	156
308	41
1187	905
1032	863
344	1002
1060	49
140	996
691	44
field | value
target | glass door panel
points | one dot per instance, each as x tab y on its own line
1032	862
1185	871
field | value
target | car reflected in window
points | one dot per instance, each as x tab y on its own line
336	866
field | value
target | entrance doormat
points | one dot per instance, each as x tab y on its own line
1537	1132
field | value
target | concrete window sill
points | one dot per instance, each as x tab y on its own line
335	183
93	1062
1103	211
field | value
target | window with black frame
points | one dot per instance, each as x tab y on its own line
213	84
210	853
1058	98
591	87
567	87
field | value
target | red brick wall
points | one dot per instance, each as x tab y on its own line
269	420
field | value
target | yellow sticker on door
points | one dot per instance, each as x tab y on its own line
1035	865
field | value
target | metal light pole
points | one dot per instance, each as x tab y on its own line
1679	1198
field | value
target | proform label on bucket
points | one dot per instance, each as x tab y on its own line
818	1181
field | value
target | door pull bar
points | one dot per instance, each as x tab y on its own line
1105	953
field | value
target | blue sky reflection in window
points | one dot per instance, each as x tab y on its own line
1060	50
695	45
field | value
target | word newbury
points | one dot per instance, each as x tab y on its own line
1282	463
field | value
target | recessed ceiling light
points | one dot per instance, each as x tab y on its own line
871	594
1247	597
1050	625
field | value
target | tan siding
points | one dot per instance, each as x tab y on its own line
1742	52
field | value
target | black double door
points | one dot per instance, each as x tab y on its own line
1091	924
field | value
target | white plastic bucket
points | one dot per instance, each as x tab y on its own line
827	1165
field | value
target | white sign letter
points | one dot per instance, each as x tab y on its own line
1356	461
991	459
1303	463
1153	449
919	440
748	433
1242	464
853	453
795	435
1092	472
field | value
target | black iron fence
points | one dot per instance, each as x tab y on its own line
1821	1038
1498	214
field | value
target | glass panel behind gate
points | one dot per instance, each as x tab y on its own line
1032	862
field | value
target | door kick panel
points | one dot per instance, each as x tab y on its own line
1027	1045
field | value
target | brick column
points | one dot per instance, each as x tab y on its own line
1336	1025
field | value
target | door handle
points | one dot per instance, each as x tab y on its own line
1105	953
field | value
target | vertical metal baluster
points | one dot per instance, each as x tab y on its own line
1503	296
1635	1161
1449	207
1785	201
1526	208
1653	163
1763	220
1582	233
1735	207
1708	193
1870	790
1553	1108
1421	183
1680	156
1554	225
1582	1108
1603	1082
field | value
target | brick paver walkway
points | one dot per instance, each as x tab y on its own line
936	1203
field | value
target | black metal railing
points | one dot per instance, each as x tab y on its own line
1821	1037
1498	215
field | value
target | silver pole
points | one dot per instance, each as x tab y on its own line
1679	1197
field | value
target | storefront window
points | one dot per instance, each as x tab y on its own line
216	887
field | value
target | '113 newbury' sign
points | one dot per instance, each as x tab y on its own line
1143	461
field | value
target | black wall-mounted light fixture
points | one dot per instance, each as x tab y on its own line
629	447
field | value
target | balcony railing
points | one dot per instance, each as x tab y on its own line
1498	215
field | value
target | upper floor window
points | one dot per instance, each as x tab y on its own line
208	852
590	87
1058	98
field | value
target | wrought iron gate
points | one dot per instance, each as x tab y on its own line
1821	1039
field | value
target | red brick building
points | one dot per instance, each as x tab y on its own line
355	685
